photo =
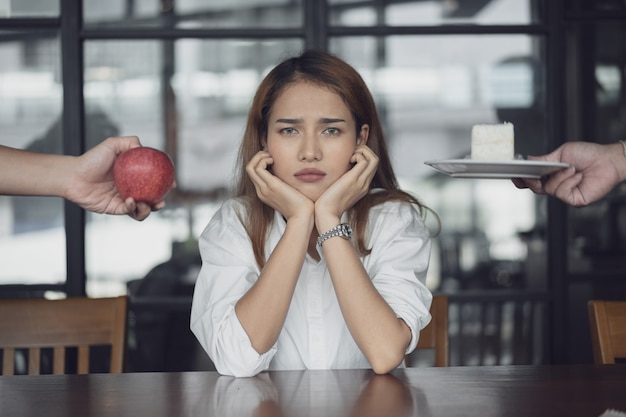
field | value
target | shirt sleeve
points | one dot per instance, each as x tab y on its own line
398	263
228	271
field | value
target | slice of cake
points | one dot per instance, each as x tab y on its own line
493	142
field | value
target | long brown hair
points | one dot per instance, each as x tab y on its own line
326	70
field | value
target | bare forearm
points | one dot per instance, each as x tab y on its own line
28	173
618	156
262	310
381	336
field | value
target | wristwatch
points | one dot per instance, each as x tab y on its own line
343	230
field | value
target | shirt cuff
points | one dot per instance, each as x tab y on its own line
235	354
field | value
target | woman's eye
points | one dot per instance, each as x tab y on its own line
333	131
288	131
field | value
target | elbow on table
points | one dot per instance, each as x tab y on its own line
384	365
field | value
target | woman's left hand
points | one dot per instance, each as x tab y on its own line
351	187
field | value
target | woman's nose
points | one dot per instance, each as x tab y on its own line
310	150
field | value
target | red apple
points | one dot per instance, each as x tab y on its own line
145	174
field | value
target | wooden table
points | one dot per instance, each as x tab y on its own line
502	391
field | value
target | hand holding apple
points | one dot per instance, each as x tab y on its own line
145	174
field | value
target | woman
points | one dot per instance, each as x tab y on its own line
319	262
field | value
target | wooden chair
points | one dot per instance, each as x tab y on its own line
435	334
607	321
80	323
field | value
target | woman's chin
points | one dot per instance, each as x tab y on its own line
313	197
311	191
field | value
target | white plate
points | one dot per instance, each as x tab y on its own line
519	168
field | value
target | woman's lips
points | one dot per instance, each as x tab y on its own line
310	175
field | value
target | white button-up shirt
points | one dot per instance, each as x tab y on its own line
315	334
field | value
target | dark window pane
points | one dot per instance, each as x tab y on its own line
595	5
597	113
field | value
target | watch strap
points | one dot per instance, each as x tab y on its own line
341	230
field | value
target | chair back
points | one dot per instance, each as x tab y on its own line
435	334
607	322
81	323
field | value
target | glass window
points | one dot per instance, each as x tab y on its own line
210	88
430	91
123	97
123	90
433	12
195	13
32	235
122	12
29	8
213	84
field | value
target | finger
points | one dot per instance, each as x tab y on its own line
133	141
143	210
567	190
131	205
123	143
158	206
554	156
360	167
536	185
365	151
257	167
138	211
361	174
371	160
363	154
555	180
262	179
259	159
519	183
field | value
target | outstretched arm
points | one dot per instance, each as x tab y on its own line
594	171
87	180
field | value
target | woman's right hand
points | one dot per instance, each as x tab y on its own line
274	192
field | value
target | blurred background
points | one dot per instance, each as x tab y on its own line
180	74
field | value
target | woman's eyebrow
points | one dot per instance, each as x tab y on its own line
325	120
289	121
